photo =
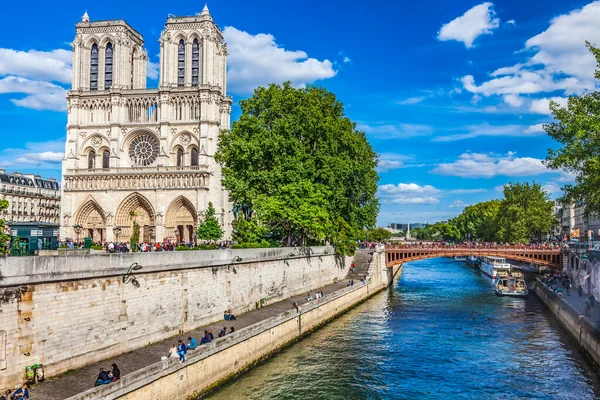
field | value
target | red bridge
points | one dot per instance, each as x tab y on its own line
547	256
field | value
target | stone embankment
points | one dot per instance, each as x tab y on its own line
585	331
66	312
278	325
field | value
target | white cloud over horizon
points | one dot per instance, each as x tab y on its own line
479	20
408	193
257	60
485	129
395	131
34	156
480	165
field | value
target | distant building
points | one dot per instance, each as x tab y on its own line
574	224
30	198
33	211
404	227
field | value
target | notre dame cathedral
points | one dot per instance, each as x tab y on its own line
138	153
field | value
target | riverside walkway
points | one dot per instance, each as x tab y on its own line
77	381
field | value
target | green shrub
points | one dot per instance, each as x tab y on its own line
207	247
182	248
262	245
99	247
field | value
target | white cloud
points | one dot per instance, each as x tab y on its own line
53	66
511	22
39	95
458	204
560	60
395	131
408	193
513	100
346	59
566	177
257	60
485	129
412	100
35	156
542	106
479	20
467	191
152	70
479	165
388	165
537	128
551	188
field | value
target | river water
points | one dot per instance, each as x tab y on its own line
439	333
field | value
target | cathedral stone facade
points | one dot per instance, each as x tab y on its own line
138	153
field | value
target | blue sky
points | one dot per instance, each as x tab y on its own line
451	94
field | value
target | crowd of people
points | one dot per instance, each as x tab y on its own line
476	245
125	247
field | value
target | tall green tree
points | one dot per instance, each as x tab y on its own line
4	237
526	213
577	129
209	228
302	165
479	221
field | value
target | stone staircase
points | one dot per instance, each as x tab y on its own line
361	264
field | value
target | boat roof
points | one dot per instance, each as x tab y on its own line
494	258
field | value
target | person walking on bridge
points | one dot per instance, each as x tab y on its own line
567	286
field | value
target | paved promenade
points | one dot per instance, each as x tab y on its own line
579	304
72	383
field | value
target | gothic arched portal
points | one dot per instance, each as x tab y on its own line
135	206
181	220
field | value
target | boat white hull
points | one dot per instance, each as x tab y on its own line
511	294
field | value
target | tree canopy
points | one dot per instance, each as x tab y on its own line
526	212
577	129
300	163
479	221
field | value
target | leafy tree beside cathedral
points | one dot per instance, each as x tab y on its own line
209	228
302	165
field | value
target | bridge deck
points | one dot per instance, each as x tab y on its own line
551	257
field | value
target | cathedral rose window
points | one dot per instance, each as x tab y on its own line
143	150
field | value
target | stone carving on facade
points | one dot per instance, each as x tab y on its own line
96	141
185	139
83	134
66	218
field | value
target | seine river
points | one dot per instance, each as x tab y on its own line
439	333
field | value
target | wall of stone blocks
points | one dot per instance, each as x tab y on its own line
66	323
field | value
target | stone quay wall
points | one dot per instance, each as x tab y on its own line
212	364
68	311
581	328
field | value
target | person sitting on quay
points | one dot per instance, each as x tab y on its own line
351	283
103	378
172	353
6	395
223	332
192	344
309	297
296	306
181	350
21	393
206	339
116	372
231	330
228	315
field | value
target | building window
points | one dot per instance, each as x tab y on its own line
91	160
94	68
181	63
195	62
105	159
194	157
108	64
179	157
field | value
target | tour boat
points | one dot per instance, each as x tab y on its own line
491	265
473	261
510	283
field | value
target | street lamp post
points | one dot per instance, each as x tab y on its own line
78	228
129	277
117	232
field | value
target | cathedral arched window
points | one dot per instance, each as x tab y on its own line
195	62
94	67
179	157
108	65
92	160
194	157
181	63
105	159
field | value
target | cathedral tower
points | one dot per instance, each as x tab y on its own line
141	154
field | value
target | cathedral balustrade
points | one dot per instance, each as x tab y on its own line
121	181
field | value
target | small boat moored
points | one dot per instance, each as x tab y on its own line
473	262
510	283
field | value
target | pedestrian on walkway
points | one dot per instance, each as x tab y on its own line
587	307
580	290
567	286
181	350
